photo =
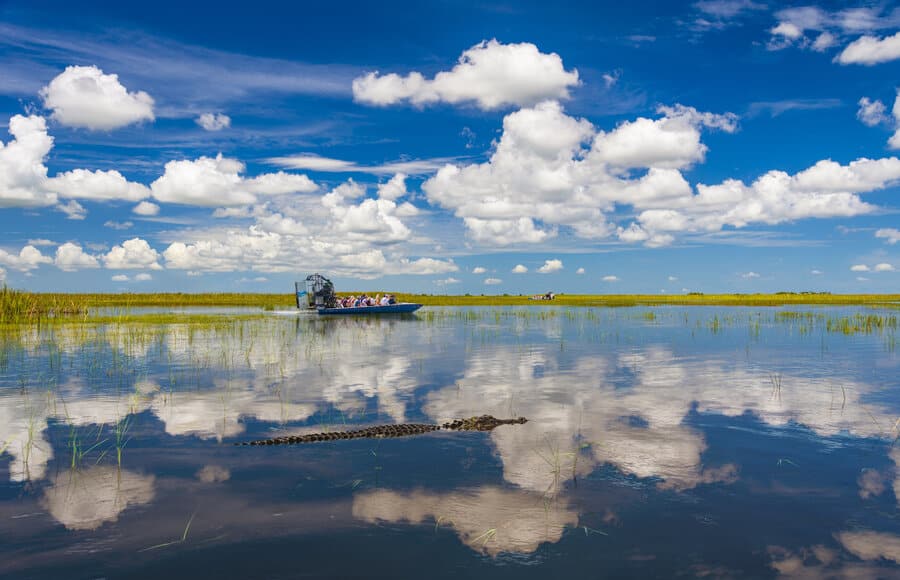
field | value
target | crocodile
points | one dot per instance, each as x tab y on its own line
480	423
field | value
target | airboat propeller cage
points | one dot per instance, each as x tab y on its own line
318	292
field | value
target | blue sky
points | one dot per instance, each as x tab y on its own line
451	147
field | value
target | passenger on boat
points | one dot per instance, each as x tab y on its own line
384	300
392	300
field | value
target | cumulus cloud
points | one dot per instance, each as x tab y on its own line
493	281
579	271
85	97
371	219
216	182
22	171
490	75
29	258
71	257
447	281
73	210
344	231
132	254
120	278
884	267
859	268
890	235
479	270
813	28
816	272
550	171
520	269
871	50
871	112
749	275
671	142
551	266
610	278
24	181
145	208
97	185
143	277
214	121
394	188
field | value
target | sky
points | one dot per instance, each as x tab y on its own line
450	147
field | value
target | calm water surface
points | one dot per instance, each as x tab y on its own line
718	442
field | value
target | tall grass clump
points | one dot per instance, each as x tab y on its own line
17	306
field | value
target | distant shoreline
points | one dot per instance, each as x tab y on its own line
580	300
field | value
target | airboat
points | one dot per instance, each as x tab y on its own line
317	293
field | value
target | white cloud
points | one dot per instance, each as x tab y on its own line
2	275
749	275
542	176
490	74
372	219
70	257
394	188
22	170
257	280
551	266
73	210
824	41
41	242
478	270
133	254
816	272
120	278
720	14
862	279
118	225
579	271
216	182
520	269
812	28
884	267
671	142
493	281
871	112
672	279
891	235
97	185
447	281
82	96
342	232
29	258
143	277
145	208
314	162
610	278
214	121
871	50
24	181
859	268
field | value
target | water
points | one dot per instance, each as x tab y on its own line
730	442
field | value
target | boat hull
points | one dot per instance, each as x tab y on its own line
403	308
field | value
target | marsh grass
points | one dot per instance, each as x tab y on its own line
17	306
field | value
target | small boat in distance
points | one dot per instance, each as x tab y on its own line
318	294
